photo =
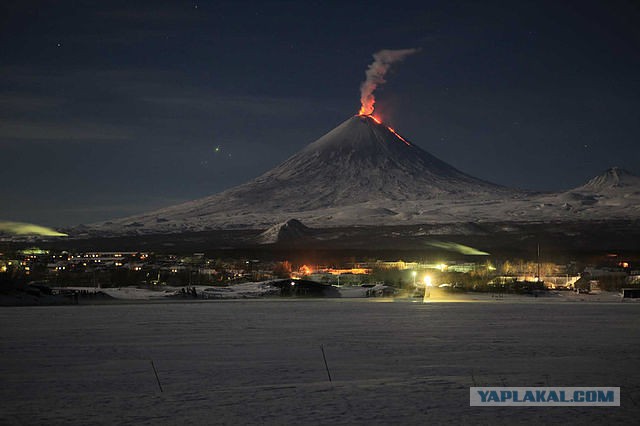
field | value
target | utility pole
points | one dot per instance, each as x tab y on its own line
538	261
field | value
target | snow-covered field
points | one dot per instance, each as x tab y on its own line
260	362
261	289
236	291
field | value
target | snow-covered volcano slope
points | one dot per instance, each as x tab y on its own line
363	173
612	182
613	194
362	161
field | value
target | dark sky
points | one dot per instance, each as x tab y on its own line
113	108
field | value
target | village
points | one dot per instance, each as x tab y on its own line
38	269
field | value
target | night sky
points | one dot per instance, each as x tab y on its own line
113	108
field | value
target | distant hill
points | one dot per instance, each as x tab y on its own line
290	230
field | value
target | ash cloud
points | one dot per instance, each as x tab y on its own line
382	61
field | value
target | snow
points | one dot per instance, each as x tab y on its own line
259	361
130	293
611	180
236	291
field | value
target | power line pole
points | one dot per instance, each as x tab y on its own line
538	261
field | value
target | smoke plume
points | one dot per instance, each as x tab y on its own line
382	61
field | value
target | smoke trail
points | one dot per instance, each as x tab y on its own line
382	61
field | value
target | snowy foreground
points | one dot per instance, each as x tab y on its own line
260	362
252	290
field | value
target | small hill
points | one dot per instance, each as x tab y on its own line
290	230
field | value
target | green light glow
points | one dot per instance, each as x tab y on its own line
457	248
21	228
34	251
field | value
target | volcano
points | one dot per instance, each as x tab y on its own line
360	173
360	161
361	164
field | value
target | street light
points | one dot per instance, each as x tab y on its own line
427	284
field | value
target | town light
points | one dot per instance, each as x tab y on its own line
427	290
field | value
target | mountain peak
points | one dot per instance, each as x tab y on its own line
363	159
359	131
612	178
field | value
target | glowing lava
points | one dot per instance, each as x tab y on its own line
377	120
399	137
366	109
